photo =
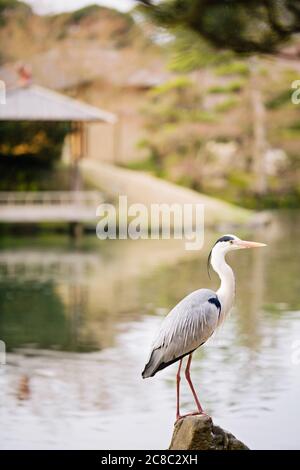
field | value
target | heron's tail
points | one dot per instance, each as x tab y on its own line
157	362
152	365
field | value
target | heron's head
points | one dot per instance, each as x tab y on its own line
229	243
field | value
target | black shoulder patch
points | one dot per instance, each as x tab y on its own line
215	301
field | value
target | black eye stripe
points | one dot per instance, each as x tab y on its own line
226	238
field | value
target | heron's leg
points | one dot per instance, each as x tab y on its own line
178	378
188	378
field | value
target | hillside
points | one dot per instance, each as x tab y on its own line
87	44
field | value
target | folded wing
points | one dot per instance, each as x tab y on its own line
191	322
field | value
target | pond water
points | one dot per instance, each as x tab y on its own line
78	322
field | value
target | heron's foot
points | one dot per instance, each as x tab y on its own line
191	413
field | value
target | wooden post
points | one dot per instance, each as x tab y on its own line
76	230
78	146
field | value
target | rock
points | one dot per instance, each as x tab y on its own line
199	433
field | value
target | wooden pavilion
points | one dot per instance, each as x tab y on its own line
26	101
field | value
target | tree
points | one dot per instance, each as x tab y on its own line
247	26
243	27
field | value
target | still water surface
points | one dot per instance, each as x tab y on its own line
78	323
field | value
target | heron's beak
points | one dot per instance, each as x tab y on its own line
246	244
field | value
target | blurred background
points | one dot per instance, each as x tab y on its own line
160	104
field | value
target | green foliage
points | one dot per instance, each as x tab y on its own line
233	87
82	13
240	179
239	25
273	200
290	131
177	84
218	37
149	164
92	10
233	68
172	102
177	147
238	190
122	34
226	105
280	99
295	126
200	115
42	140
189	52
28	152
12	5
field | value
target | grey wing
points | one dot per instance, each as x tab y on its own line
191	322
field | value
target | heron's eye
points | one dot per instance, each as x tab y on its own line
231	242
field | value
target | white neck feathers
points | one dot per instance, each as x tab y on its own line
226	291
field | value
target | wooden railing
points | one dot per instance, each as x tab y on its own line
50	198
68	206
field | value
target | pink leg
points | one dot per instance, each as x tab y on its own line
178	378
188	378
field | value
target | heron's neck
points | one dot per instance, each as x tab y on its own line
226	291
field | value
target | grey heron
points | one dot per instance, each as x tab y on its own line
195	318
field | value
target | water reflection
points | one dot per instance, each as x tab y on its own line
78	324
